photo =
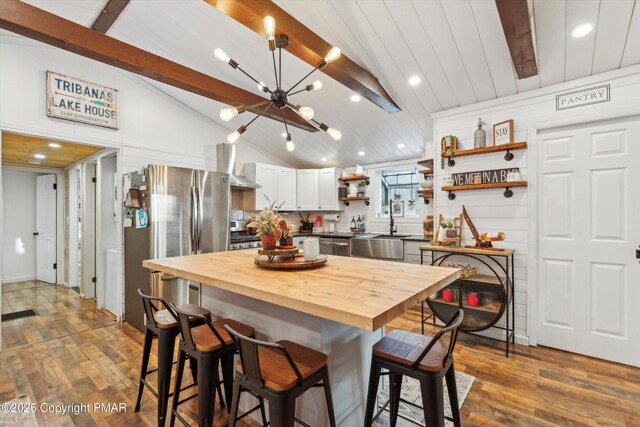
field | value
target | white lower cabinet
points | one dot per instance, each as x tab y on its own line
412	252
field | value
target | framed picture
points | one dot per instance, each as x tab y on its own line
398	209
503	133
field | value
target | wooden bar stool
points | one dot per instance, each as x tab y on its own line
162	323
278	372
208	345
425	358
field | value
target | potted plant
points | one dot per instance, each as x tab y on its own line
396	198
412	204
448	224
269	225
361	186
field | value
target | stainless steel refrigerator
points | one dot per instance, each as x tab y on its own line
188	213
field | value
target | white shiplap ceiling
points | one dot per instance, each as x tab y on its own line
457	47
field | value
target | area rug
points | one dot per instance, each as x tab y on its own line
411	393
13	417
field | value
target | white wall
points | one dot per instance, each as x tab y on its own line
19	213
489	210
107	226
71	221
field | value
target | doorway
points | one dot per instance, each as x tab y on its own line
588	234
29	226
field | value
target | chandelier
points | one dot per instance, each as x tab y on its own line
279	98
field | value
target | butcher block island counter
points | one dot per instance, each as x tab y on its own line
339	309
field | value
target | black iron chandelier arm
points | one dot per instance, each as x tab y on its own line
275	69
251	77
284	120
300	81
259	114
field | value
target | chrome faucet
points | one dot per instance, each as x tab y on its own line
392	228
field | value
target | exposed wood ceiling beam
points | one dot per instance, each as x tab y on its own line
29	21
308	46
109	14
516	25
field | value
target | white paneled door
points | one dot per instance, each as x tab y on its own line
46	228
589	231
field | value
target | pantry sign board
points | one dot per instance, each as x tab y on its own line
580	98
80	101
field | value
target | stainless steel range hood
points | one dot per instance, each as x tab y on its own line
226	158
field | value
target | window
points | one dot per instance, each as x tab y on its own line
398	189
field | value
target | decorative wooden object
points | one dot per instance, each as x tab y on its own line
346	200
29	21
507	185
296	262
479	242
382	290
449	241
492	149
347	179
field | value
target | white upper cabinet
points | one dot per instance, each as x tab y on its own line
328	189
302	189
286	188
307	189
278	184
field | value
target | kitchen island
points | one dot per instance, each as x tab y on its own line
339	309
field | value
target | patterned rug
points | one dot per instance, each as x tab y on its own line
411	392
15	418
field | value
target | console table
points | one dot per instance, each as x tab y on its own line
494	292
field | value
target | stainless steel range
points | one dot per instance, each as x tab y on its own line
243	240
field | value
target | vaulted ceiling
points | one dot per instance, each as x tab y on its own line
457	47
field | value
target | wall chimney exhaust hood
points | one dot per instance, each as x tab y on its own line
226	159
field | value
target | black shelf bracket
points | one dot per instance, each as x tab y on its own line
508	193
346	203
451	196
508	156
450	162
426	200
366	202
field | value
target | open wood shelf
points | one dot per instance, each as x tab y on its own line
493	149
353	178
507	185
346	200
484	186
427	163
426	195
426	171
483	279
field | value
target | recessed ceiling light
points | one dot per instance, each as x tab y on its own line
54	145
414	80
355	98
401	145
40	156
324	159
361	153
581	30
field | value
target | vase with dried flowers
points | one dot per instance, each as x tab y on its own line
270	225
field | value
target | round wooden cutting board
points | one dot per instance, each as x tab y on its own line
288	263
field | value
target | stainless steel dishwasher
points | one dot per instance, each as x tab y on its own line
334	246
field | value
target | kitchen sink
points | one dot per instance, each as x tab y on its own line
379	246
391	236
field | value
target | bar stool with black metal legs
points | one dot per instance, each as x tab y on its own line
425	358
162	323
208	344
279	372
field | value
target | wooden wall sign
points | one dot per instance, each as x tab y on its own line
487	177
503	132
80	101
580	98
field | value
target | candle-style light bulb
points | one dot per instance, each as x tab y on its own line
290	145
333	54
317	85
226	114
221	55
306	112
334	133
269	27
235	136
262	86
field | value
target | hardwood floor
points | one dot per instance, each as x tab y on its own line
84	357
